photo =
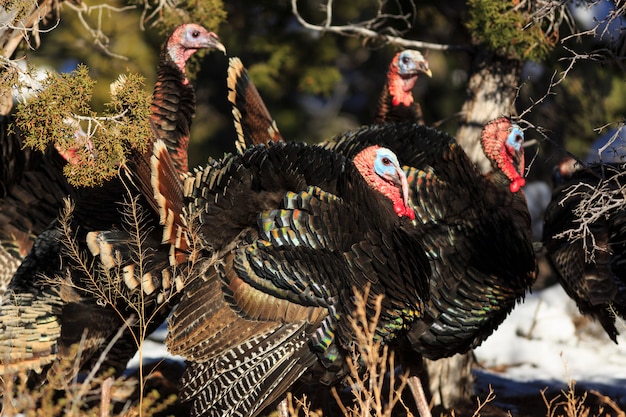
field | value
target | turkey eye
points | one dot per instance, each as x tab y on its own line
195	34
519	138
405	59
386	161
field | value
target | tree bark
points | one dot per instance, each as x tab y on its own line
491	93
450	381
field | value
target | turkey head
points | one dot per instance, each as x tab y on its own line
396	103
382	172
502	143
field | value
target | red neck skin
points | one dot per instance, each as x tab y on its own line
502	156
397	194
400	88
179	56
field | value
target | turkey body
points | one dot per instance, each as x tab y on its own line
32	187
287	232
591	268
476	232
173	104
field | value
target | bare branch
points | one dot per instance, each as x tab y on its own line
23	25
363	30
596	203
614	137
100	39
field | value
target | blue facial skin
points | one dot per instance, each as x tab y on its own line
386	164
515	138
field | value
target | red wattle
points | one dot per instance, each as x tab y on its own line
516	184
402	210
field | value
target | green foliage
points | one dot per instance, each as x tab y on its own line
57	115
319	80
508	30
46	118
8	79
267	75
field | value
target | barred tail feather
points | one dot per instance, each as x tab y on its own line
29	331
253	123
246	379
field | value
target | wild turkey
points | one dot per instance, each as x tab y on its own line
42	320
476	230
584	237
174	99
280	252
476	233
253	123
396	103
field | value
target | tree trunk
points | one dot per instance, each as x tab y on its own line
450	381
491	93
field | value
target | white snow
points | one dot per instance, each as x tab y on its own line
154	349
540	345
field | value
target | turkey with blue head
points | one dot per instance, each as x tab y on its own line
285	234
476	227
254	125
396	102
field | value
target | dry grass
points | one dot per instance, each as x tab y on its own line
570	403
99	395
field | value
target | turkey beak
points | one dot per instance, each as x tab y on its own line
428	72
219	46
214	43
400	181
405	189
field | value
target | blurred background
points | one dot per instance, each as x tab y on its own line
318	84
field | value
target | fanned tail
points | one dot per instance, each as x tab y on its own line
155	175
253	375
